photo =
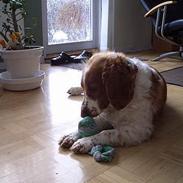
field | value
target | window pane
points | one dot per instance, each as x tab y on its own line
69	21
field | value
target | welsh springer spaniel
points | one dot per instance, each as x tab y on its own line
123	95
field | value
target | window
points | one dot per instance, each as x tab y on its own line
70	25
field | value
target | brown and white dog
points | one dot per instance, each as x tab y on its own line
124	95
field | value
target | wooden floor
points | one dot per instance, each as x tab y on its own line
31	123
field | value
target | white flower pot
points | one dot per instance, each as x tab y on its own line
22	63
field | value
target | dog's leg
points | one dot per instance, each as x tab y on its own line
74	91
106	137
102	124
68	140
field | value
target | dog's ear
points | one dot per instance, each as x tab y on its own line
119	81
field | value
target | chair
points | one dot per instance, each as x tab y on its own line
167	18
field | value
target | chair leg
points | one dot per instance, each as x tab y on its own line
173	54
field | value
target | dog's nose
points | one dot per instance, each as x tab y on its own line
84	109
84	112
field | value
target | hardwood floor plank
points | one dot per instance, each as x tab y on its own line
32	122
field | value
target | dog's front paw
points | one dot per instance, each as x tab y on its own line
83	145
68	140
74	91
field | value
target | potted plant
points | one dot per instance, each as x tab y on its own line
21	59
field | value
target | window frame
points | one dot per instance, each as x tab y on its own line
73	46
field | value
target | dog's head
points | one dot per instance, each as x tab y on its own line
108	78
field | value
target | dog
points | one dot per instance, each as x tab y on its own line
124	96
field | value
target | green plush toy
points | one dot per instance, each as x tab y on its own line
101	153
87	127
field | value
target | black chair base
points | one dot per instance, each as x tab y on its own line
173	54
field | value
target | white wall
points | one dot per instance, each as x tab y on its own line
128	30
104	24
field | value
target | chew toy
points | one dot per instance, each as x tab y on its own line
101	153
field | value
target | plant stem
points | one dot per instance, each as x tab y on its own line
15	25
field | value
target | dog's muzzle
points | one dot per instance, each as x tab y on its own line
85	111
